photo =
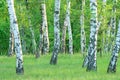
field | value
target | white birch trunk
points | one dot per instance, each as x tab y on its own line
113	18
113	23
56	33
45	29
83	37
69	28
113	61
63	39
18	49
11	40
93	37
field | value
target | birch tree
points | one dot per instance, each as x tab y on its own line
56	33
40	48
18	49
31	29
104	34
103	23
63	39
92	50
44	28
22	28
113	23
11	41
69	28
83	37
23	41
113	60
67	25
33	37
107	32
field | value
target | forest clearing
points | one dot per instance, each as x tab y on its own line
68	68
59	39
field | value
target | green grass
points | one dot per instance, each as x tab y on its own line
67	68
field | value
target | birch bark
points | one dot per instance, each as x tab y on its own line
11	41
83	37
113	23
69	28
63	39
56	33
18	49
45	29
113	61
93	37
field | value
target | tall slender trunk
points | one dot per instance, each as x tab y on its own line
108	44
33	38
113	23
69	28
11	38
67	24
103	23
103	47
56	33
18	49
40	48
11	41
113	61
83	37
23	42
45	29
93	37
31	30
22	30
63	39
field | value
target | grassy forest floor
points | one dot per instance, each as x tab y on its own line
67	68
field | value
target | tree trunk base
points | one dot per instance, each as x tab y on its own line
85	62
37	55
91	66
111	69
53	60
20	71
91	69
9	55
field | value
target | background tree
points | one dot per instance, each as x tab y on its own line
63	38
31	29
69	28
113	61
67	23
83	37
44	28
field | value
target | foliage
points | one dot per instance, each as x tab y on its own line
34	12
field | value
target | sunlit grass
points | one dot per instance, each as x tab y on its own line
67	68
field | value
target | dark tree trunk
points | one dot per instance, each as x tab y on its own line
93	37
113	61
56	33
